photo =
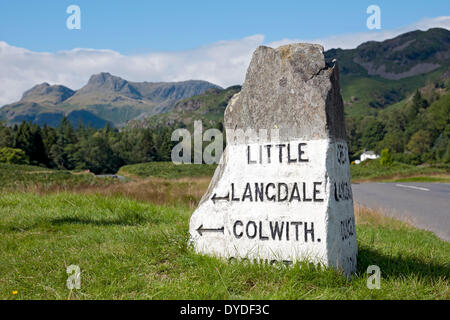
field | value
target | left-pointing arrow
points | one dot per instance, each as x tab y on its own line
215	198
200	230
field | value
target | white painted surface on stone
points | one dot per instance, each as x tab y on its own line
229	223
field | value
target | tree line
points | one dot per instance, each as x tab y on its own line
417	133
102	150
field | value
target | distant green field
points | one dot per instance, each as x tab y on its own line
23	177
368	170
424	179
134	250
372	169
167	170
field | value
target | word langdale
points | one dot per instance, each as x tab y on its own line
286	198
274	191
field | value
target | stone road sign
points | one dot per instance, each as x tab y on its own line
282	191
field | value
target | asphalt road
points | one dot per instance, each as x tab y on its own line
425	205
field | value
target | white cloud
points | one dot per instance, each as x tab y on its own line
223	63
350	41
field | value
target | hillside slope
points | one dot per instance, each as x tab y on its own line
373	76
378	74
105	98
208	107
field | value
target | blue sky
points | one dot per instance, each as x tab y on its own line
181	40
134	26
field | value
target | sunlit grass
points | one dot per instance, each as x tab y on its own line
129	249
372	170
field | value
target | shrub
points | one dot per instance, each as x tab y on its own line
13	156
386	158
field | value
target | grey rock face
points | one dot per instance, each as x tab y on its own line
290	88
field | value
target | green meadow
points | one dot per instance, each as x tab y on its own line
134	245
372	170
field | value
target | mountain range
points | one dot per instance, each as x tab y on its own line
105	98
373	76
377	74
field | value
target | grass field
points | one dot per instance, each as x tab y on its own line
130	241
128	249
167	170
31	178
372	170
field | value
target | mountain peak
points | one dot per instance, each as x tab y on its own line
104	78
37	89
46	93
106	82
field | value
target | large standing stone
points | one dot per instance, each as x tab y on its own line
282	190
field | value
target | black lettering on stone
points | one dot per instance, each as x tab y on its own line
342	154
272	198
305	199
276	230
289	154
295	193
237	223
287	262
335	192
233	198
342	191
316	192
247	193
259	192
301	152
268	152
255	231
249	161
347	228
296	224
287	231
309	231
282	184
261	237
280	148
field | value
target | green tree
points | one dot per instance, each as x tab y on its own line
6	136
419	101
95	153
29	139
13	156
394	141
420	142
373	132
386	158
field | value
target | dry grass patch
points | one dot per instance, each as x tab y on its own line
183	191
377	218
